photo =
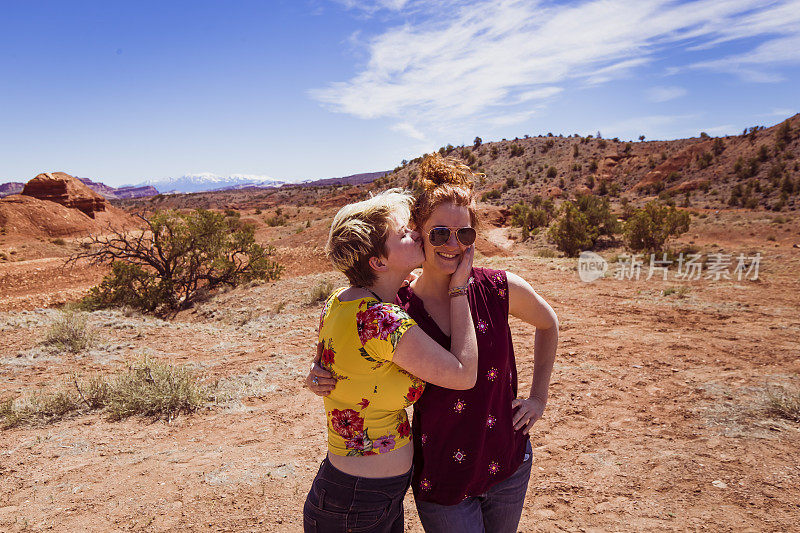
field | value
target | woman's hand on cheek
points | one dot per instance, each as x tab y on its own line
462	274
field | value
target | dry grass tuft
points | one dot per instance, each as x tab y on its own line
320	292
148	388
785	404
69	332
155	389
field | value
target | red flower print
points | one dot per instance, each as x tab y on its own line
327	357
404	430
347	423
363	403
414	393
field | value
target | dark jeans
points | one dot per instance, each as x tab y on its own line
498	510
339	502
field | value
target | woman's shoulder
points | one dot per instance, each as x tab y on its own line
489	276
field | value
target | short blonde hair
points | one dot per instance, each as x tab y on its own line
359	231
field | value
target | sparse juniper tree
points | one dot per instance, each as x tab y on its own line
477	142
175	259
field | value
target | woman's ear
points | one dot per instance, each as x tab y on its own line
377	264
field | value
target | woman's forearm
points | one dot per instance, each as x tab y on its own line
544	355
463	342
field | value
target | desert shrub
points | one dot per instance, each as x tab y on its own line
763	153
177	259
552	172
648	229
575	151
232	213
320	292
704	160
673	176
601	144
276	220
58	242
593	165
516	150
491	195
511	182
590	182
784	403
571	233
477	142
155	389
598	214
718	147
69	332
493	152
528	217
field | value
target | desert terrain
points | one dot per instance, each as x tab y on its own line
657	419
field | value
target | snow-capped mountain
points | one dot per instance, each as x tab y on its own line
207	181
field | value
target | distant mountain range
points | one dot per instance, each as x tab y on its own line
203	182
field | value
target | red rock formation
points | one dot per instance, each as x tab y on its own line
65	190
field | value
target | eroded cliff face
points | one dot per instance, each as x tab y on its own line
66	190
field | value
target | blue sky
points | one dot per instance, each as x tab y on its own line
123	92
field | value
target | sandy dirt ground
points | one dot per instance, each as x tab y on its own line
657	418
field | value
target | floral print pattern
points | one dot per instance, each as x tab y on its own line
491	374
414	392
425	484
364	403
346	423
494	467
482	326
490	421
404	429
379	321
384	444
459	456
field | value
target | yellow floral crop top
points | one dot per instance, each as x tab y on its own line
366	410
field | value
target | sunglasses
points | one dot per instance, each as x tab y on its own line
441	234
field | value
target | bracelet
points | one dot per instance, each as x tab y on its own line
458	291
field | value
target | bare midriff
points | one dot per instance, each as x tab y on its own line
393	463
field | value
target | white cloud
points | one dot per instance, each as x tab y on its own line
482	59
665	94
410	130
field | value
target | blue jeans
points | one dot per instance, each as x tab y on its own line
498	510
339	502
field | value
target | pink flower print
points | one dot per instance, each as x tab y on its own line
459	406
482	326
491	374
384	444
494	468
424	438
490	421
425	484
359	442
376	321
459	456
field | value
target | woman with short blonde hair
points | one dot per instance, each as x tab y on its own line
382	361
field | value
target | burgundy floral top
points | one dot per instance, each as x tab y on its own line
464	441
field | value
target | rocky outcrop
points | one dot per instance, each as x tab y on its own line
66	190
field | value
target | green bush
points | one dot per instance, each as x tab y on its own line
176	260
69	332
572	232
552	172
648	229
